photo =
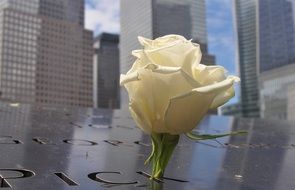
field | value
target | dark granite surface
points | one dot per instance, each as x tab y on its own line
59	149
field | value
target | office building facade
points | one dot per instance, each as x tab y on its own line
276	37
155	18
45	53
276	93
266	46
291	102
106	71
245	29
232	109
276	57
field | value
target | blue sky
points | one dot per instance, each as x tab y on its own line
220	33
104	15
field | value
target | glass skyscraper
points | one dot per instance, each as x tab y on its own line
276	61
266	55
155	18
106	71
276	39
245	27
45	52
186	17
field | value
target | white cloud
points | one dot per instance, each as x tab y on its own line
102	16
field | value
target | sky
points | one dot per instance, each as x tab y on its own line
104	15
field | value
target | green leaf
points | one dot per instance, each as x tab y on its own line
198	137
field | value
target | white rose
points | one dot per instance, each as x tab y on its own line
169	90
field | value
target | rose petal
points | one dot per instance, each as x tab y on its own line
218	87
137	53
184	112
141	100
170	50
140	114
140	62
154	88
222	98
128	78
160	42
166	85
189	108
226	95
208	74
179	54
144	41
